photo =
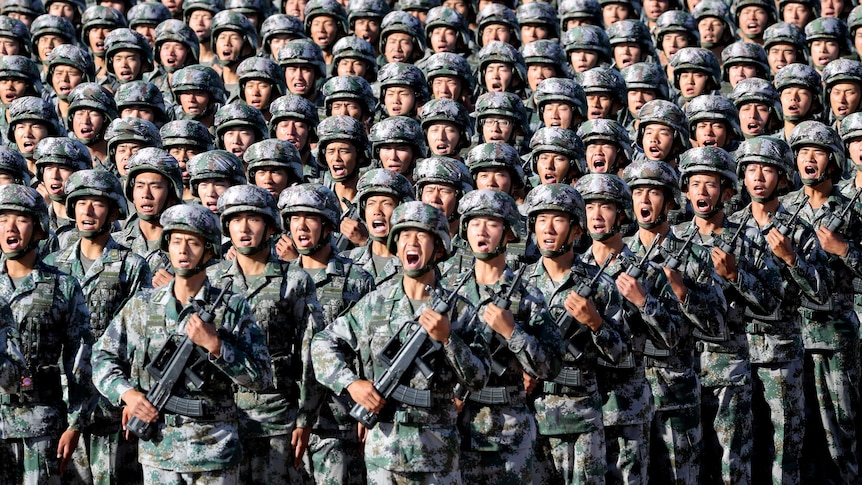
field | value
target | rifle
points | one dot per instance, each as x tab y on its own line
169	365
399	360
833	222
727	246
500	344
636	270
676	261
786	229
341	242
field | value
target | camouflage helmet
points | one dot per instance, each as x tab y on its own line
292	106
325	8
229	20
854	20
611	131
215	164
30	8
154	160
79	5
311	198
211	6
707	160
99	16
554	197
352	47
605	80
495	156
851	128
98	183
590	38
20	67
813	5
442	170
141	94
249	7
605	187
539	13
801	76
716	9
785	33
423	217
93	97
186	133
51	24
583	10
13	164
239	115
490	203
15	29
676	21
653	173
32	108
128	40
74	56
173	30
451	111
560	90
124	130
263	69
366	9
500	104
646	75
397	130
551	139
756	90
379	181
504	53
273	154
341	128
831	29
238	199
665	113
20	198
696	59
195	219
280	24
841	71
496	13
710	107
765	150
64	151
815	133
451	19
401	74
630	31
353	88
148	13
545	51
744	53
303	51
403	22
449	64
197	77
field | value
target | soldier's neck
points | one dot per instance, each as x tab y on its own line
253	264
92	248
59	209
559	266
151	230
346	189
414	288
490	271
21	267
601	249
380	249
818	194
185	288
760	211
710	225
857	181
646	236
98	151
319	259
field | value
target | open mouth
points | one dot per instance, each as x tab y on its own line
842	109
303	240
758	190
483	245
379	227
443	148
596	114
88	225
654	151
238	151
245	241
412	259
13	243
125	74
100	46
398	58
598	228
599	165
171	61
338	170
710	142
212	204
147	209
550	178
702	205
753	128
28	145
810	171
394	165
549	243
395	109
184	263
495	87
646	214
55	188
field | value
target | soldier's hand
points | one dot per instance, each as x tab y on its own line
725	264
364	394
284	249
781	246
354	231
677	284
138	406
362	433
230	255
299	442
500	321
162	278
631	289
583	310
530	383
831	242
204	334
437	325
459	405
68	442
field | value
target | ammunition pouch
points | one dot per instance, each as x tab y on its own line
498	395
568	377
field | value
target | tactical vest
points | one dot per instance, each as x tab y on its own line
334	296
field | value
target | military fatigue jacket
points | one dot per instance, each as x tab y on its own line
134	338
363	256
407	438
54	327
132	237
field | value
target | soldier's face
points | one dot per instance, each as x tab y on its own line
378	211
812	161
854	149
300	79
831	8
711	133
88	124
614	12
657	141
554	229
173	55
182	154
537	73
62	9
128	65
627	53
448	87
844	98
247	229
558	114
28	134
796	101
347	107
780	55
673	42
65	78
96	38
186	249
443	138
46	43
9	46
173	5
398	47
797	14
583	60
294	131
654	8
150	192
752	21
648	204
753	118
493	32
692	84
229	46
352	67
258	93
494	179
24	18
367	30
552	168
194	102
141	112
460	6
739	72
306	230
54	178
444	39
148	31
273	180
119	6
704	192
638	97
209	191
498	129
601	106
277	41
323	30
92	213
415	249
823	52
711	30
441	196
399	100
601	156
397	157
601	217
11	89
123	153
761	180
485	233
341	158
857	39
16	230
201	22
532	33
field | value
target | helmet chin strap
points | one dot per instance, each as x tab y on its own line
652	225
811	182
715	210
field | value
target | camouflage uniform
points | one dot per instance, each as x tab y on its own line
185	448
52	320
18	68
285	307
410	444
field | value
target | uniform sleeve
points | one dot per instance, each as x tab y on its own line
467	351
139	275
311	392
112	353
335	346
661	311
76	352
244	356
611	338
536	341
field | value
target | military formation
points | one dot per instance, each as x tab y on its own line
430	242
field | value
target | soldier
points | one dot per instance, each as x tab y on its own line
184	139
56	159
501	118
352	56
24	10
842	81
446	30
176	46
19	77
501	68
311	213
40	426
234	352
605	92
295	119
579	12
276	31
349	96
759	108
91	110
662	132
238	126
124	137
97	22
447	126
441	182
146	17
141	99
396	144
696	71
403	90
559	102
15	36
198	14
631	41
607	148
674	30
713	121
644	83
715	26
275	422
365	18
109	275
303	64
410	443
753	17
13	168
544	59
233	40
198	93
587	46
402	39
49	31
742	60
261	81
449	76
800	90
273	165
211	173
496	22
530	345
68	66
784	44
128	56
325	23
557	156
31	120
852	138
827	39
799	13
